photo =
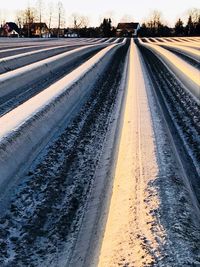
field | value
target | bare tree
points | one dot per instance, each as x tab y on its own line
20	18
154	23
195	14
29	17
60	16
50	14
155	19
84	21
79	21
40	5
2	17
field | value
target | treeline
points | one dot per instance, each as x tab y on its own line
155	27
55	19
104	30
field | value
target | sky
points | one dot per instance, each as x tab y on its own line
137	10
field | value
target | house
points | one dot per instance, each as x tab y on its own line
10	29
64	33
127	29
36	29
1	30
71	33
57	32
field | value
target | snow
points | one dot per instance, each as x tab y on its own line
33	52
188	50
20	77
127	216
187	44
33	105
17	48
88	242
186	47
152	220
116	41
188	74
45	111
83	137
11	62
173	42
153	216
17	72
53	46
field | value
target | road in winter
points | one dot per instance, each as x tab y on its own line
100	152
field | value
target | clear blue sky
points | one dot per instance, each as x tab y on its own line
136	10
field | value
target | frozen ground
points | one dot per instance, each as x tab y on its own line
119	184
154	216
50	196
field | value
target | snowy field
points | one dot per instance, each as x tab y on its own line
100	152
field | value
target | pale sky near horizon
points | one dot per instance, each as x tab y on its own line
118	10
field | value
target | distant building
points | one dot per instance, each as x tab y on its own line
35	29
127	29
1	30
10	29
64	33
57	33
71	33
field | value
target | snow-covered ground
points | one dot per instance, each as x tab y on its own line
115	180
154	216
188	74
